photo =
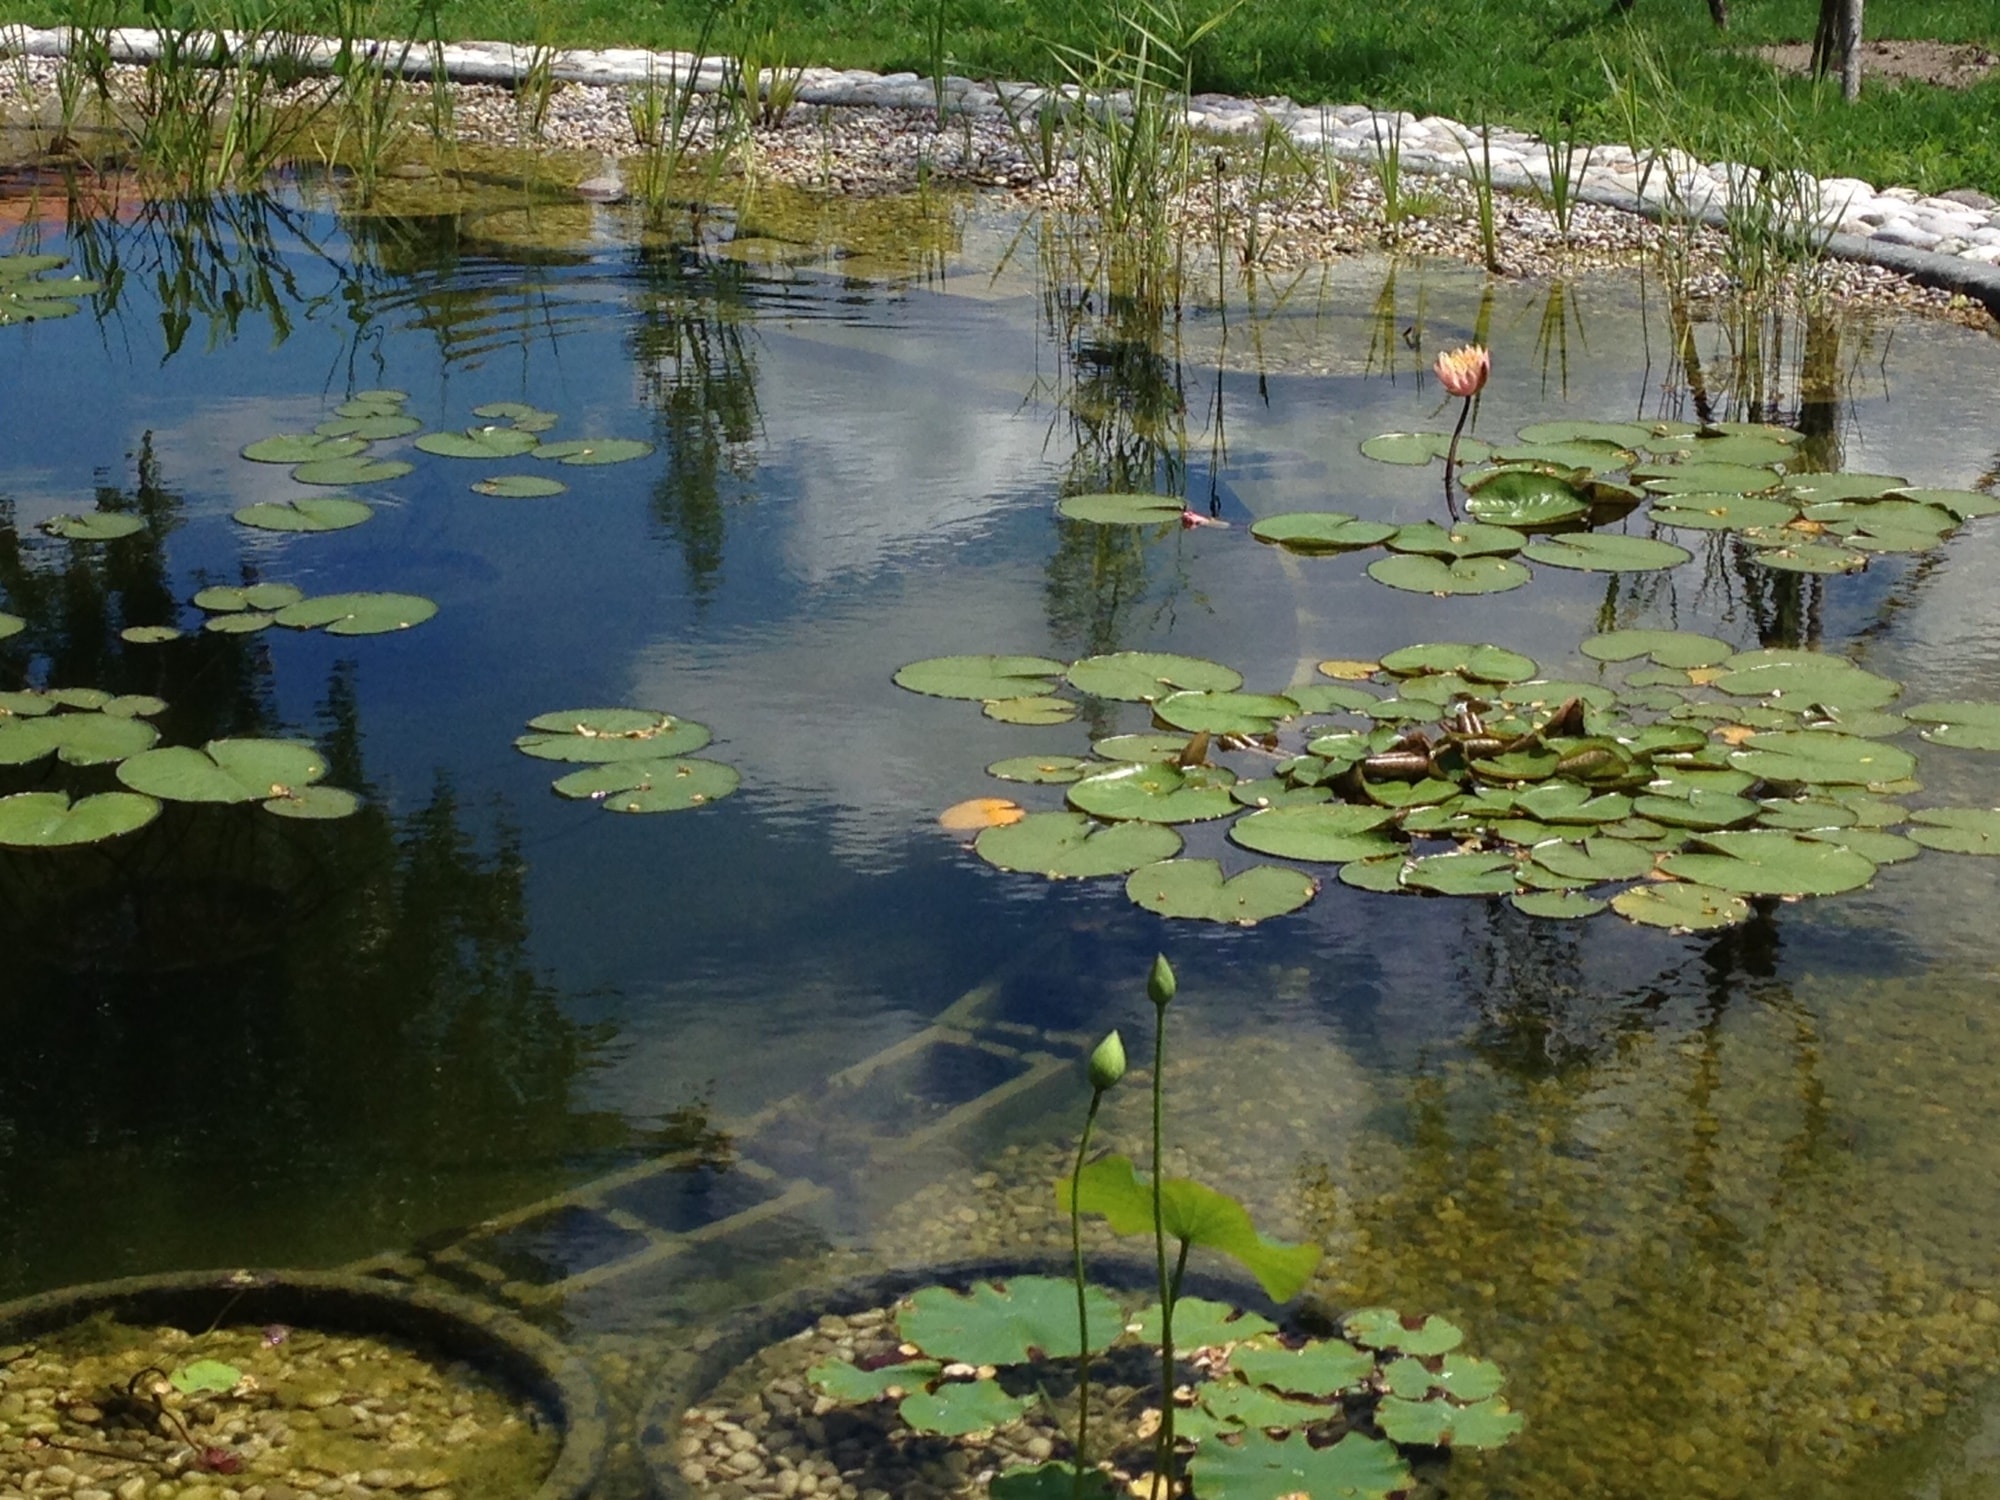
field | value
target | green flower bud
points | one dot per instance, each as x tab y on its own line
1107	1063
1160	985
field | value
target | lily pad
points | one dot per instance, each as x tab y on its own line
314	804
1697	807
592	451
1967	505
1143	676
228	770
666	784
1706	512
1595	860
519	487
1201	1324
1464	539
229	598
1770	862
1439	1423
1475	663
479	442
1071	846
1705	478
334	513
1666	648
1043	770
345	471
1152	792
981	677
48	820
1265	1468
1323	833
1957	830
303	447
1964	724
1384	876
1812	489
1565	430
1122	510
1385	1328
846	1381
1679	907
203	1375
1795	679
11	625
1606	552
1312	532
958	1407
372	427
1137	748
1810	557
1196	888
1419	448
1324	1368
1225	712
1430	575
600	735
1031	711
1463	874
1459	1376
1525	502
1562	906
98	526
1008	1322
358	614
1821	758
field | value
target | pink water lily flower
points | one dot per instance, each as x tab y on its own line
1464	371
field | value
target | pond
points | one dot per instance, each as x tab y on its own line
1721	1202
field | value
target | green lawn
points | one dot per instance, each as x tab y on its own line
1514	61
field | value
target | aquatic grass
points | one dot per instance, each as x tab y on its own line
1568	159
1388	141
1481	174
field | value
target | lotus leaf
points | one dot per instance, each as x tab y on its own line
1071	846
1556	905
1705	478
592	451
1463	540
1324	1368
314	804
1811	489
335	513
479	442
1201	1324
1770	862
1419	448
846	1381
958	1407
98	526
1142	676
1967	505
1872	844
1224	712
1321	532
1140	748
1197	1216
1121	510
1606	552
1430	575
519	487
1957	830
1475	663
304	447
1553	692
981	677
1267	1468
1822	757
1152	792
1462	874
47	820
358	614
1385	1328
345	471
1595	859
1009	1322
1525	502
266	597
11	625
1042	770
1383	876
1041	711
1965	725
665	784
1231	1406
1328	834
371	427
1442	1424
601	735
1705	512
240	770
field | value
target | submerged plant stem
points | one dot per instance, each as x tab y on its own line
1164	1453
1082	1311
1451	459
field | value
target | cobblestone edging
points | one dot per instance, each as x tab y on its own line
1951	241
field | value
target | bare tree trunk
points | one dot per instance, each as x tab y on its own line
1850	50
1718	11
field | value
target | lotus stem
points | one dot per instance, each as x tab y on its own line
1082	1309
1451	460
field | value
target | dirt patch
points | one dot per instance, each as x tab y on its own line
1951	65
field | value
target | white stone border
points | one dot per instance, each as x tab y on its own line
1950	242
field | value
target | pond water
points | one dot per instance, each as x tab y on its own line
1723	1204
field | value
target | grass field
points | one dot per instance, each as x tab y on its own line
1519	62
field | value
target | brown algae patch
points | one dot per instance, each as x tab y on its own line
153	1412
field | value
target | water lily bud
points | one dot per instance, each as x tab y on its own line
1107	1063
1160	985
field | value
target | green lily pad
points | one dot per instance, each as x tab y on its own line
342	472
1265	1468
592	451
1705	512
1385	1328
1323	833
314	804
371	427
98	526
1806	814
1054	1480
1967	505
1276	791
958	1407
1666	648
1196	1215
1872	844
1562	906
1201	1324
240	624
519	487
1314	532
520	413
1140	747
1565	430
1822	758
846	1381
1196	888
666	784
1811	489
1957	830
1794	679
478	442
1756	449
1122	510
1143	676
1679	907
265	597
1324	1368
334	513
1009	1322
1071	846
1705	478
1770	862
358	614
1578	456
1460	1376
1606	552
303	447
1231	1406
1155	792
11	625
1043	770
1330	698
1475	663
981	677
1029	711
1383	876
1462	540
1567	802
230	770
1463	874
1525	501
601	735
49	820
149	635
204	1375
1810	557
1439	1423
1224	712
1697	807
1430	575
1964	724
1595	859
1419	448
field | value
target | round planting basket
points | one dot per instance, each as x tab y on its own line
537	1367
693	1373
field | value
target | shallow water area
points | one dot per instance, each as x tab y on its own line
1719	1203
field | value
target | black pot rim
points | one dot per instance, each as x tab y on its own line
696	1372
535	1364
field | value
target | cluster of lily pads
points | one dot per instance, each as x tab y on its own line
87	727
633	760
1704	778
1269	1409
28	295
1537	501
244	610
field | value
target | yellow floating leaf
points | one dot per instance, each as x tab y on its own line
1703	676
1734	734
1343	670
976	813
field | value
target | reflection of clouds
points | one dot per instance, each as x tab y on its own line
203	457
815	724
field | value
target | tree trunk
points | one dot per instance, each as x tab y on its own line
1718	11
1850	50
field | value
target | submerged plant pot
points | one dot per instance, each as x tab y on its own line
696	1374
530	1367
